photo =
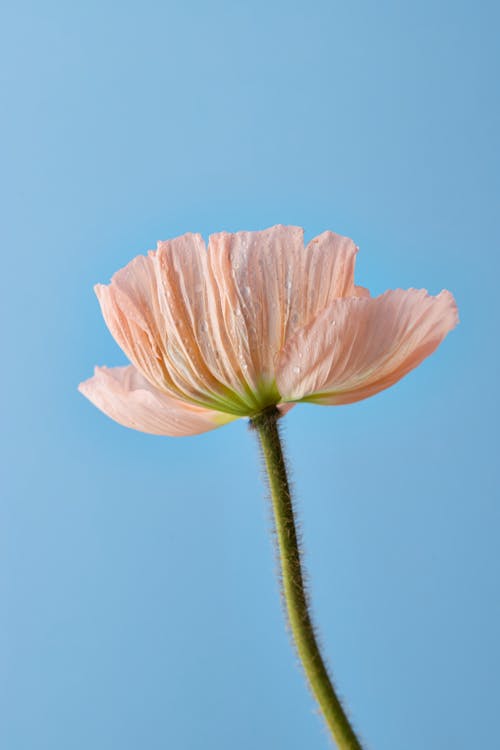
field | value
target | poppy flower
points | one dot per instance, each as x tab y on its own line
250	326
252	321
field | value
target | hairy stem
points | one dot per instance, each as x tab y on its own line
292	578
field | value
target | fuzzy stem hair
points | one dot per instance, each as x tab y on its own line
293	582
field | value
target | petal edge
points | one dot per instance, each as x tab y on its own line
359	346
124	395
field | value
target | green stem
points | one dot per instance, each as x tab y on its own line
292	576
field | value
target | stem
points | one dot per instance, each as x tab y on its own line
292	579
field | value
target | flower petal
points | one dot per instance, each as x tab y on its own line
195	354
328	273
361	291
358	346
127	397
284	408
255	275
269	286
132	313
159	309
208	329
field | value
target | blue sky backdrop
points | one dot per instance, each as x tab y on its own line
140	605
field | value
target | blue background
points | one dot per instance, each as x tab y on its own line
139	601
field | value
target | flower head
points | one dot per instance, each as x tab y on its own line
254	320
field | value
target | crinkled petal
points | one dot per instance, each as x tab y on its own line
358	346
268	286
255	275
328	273
195	354
159	309
127	397
208	328
132	313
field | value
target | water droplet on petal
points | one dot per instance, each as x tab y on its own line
297	369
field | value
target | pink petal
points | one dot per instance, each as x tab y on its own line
160	310
127	397
268	286
285	408
358	346
328	273
132	313
208	329
255	275
196	354
361	291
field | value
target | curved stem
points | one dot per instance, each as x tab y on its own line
292	578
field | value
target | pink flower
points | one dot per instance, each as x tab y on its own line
253	321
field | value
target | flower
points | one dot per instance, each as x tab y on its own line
252	321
